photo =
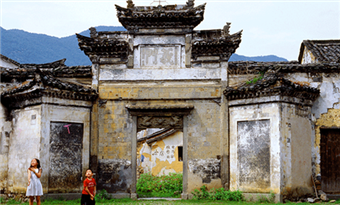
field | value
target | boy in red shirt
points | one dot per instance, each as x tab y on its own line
89	191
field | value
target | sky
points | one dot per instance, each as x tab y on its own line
270	27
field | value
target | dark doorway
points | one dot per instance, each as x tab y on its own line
66	143
330	160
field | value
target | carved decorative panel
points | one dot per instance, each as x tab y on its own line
159	122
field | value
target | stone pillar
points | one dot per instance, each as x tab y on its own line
134	157
224	126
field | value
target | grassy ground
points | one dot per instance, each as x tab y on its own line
160	202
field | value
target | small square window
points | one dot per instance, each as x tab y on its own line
180	153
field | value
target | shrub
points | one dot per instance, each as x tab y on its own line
167	185
102	196
217	194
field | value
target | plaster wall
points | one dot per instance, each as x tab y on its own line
204	145
114	147
67	114
325	108
296	131
161	157
308	57
261	112
24	145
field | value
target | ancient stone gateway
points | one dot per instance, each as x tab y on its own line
160	73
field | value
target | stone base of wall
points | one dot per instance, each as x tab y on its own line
258	197
64	196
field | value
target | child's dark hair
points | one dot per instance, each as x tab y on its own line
38	161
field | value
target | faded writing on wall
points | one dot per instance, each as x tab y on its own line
160	55
253	142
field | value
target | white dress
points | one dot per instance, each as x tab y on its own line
35	188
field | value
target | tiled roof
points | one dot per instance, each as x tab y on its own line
272	84
105	47
134	18
158	135
56	69
214	43
9	60
47	85
323	50
164	130
252	67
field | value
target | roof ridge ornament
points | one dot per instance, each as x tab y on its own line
190	3
159	2
130	4
226	29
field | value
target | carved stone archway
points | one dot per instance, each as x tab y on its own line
159	116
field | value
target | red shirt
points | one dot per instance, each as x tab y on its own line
90	184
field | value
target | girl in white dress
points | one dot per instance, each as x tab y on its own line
34	188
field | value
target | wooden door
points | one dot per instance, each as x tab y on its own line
330	160
66	140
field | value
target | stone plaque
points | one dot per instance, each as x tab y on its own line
253	153
66	140
159	56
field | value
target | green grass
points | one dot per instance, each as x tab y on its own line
160	186
163	202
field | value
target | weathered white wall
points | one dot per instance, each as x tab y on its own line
308	57
160	74
328	101
296	151
24	145
271	112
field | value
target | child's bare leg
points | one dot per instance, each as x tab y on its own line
38	200
31	200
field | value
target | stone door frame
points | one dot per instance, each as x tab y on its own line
159	117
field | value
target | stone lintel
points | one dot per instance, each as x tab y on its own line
159	110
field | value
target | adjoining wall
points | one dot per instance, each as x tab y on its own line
24	145
296	131
270	148
325	108
161	157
